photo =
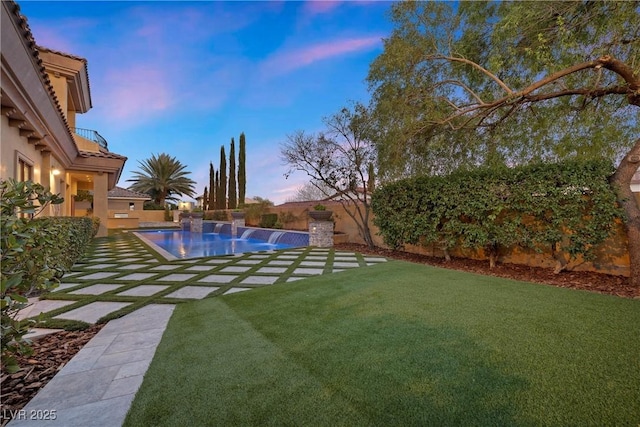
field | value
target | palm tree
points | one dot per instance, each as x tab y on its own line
162	178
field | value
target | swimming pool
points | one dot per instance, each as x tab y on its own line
178	244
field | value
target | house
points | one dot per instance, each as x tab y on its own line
126	207
42	93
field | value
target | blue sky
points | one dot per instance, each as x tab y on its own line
183	78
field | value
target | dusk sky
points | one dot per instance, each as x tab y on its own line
183	78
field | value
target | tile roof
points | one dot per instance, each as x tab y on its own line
28	36
123	193
101	154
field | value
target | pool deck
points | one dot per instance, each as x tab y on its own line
122	279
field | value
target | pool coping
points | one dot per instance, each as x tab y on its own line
164	253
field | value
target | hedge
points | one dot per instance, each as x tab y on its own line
558	208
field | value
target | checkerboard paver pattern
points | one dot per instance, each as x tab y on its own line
122	271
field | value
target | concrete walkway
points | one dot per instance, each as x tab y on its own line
97	387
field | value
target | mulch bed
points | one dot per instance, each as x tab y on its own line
584	280
50	354
54	351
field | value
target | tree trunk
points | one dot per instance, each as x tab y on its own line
621	180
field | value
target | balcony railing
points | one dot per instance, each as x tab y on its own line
92	135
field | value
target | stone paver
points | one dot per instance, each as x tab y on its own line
165	267
97	276
272	270
235	269
198	268
132	266
346	264
176	277
90	313
42	306
143	290
217	278
95	289
193	292
100	266
259	280
312	263
137	276
64	286
308	271
97	387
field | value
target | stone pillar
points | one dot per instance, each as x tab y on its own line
100	202
321	234
235	223
196	224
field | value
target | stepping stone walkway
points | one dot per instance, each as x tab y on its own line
120	274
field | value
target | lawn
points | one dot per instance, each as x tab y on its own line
397	344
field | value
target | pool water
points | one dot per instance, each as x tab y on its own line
184	244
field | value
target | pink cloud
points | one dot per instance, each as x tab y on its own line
317	7
291	60
136	92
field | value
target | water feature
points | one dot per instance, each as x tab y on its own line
218	227
175	244
247	233
275	236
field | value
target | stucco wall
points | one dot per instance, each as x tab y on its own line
612	256
13	143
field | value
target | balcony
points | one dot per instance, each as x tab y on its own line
92	136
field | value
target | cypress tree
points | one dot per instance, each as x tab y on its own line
205	199
242	171
212	188
223	179
232	176
217	191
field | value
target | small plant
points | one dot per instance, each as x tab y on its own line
320	207
83	196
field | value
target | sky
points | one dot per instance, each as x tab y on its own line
183	78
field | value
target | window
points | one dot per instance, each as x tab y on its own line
24	170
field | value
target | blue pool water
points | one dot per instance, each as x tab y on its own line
184	244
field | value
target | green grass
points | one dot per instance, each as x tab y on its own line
397	344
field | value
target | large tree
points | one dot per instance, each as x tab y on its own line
163	178
312	191
242	171
511	82
338	159
233	201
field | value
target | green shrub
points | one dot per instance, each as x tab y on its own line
566	207
268	220
150	205
286	217
219	215
27	248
